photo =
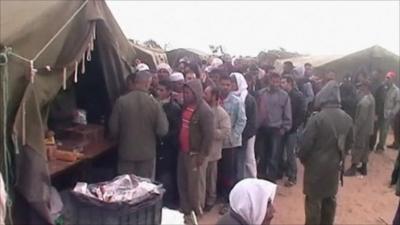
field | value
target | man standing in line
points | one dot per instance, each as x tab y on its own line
363	129
391	107
322	152
222	130
297	101
246	162
195	137
275	119
378	89
236	111
168	146
136	122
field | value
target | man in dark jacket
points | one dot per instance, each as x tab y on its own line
136	122
167	147
348	96
321	153
378	89
297	101
195	137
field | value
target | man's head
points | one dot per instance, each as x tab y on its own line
130	81
143	80
225	84
364	88
377	74
182	66
308	70
390	76
163	71
190	76
215	74
177	80
287	83
164	89
251	78
275	81
192	92
287	67
212	95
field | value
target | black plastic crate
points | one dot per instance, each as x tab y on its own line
146	213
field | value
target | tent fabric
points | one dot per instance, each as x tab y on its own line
192	54
150	56
366	60
26	26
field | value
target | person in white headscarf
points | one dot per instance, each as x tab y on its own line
246	167
251	203
3	200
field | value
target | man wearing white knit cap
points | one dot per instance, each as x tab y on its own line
163	71
178	80
142	67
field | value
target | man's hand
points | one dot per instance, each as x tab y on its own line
282	131
199	161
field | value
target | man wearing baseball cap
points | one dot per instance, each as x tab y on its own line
391	108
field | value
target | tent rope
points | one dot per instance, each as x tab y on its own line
6	153
52	39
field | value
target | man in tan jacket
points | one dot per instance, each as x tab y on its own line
222	130
136	122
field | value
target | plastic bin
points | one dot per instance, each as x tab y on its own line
148	212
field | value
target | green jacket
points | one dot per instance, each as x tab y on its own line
202	124
319	151
136	122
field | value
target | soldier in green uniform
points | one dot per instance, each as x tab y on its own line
321	153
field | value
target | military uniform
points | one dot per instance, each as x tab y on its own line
321	156
363	129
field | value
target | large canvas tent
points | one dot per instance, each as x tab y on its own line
192	54
364	60
42	43
151	56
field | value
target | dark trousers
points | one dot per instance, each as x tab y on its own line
396	129
272	155
320	211
290	164
227	171
396	220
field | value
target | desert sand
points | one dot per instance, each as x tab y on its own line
362	200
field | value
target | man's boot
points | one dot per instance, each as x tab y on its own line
363	169
351	172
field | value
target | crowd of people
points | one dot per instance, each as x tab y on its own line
199	129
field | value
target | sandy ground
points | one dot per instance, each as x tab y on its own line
362	200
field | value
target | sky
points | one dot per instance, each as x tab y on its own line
248	27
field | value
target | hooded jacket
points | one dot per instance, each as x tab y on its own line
202	124
319	151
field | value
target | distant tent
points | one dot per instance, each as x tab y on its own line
150	56
364	60
192	55
57	39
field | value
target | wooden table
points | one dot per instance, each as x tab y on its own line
91	151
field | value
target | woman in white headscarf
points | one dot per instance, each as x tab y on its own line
247	166
251	203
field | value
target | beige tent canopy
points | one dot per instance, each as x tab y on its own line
42	44
366	60
150	56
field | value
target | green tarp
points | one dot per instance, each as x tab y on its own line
150	56
26	27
